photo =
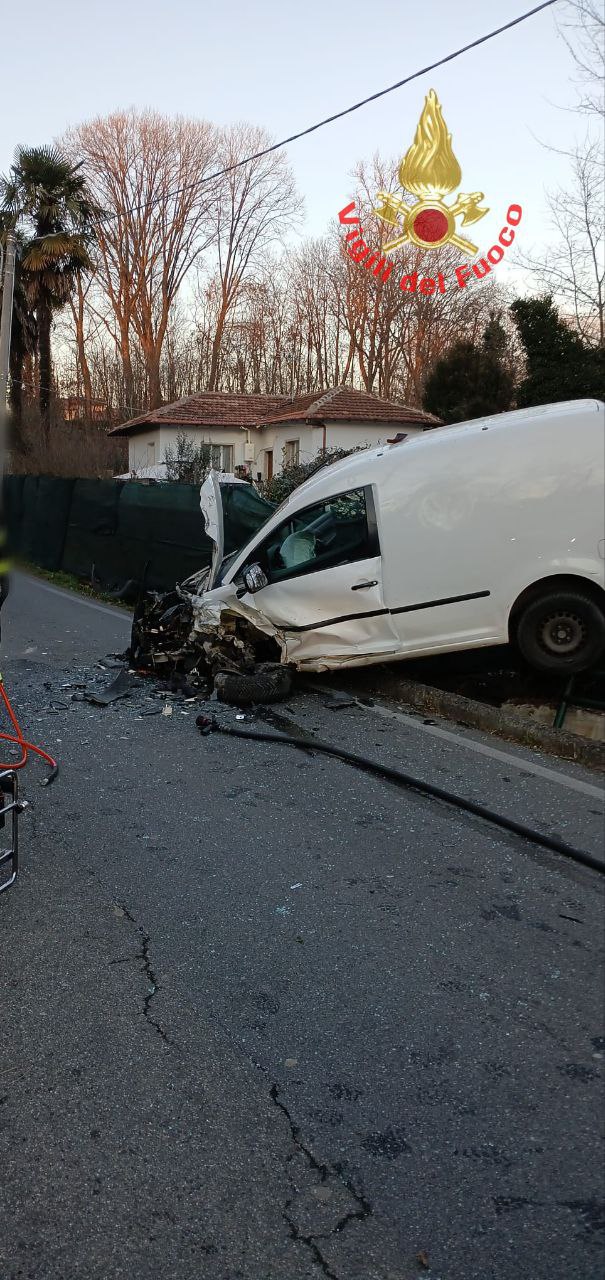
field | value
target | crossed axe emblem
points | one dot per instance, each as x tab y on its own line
430	223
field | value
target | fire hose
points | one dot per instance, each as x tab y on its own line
208	725
17	739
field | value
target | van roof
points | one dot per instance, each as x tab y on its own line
362	467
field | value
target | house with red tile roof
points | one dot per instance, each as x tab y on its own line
263	433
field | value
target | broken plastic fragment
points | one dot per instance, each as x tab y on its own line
118	688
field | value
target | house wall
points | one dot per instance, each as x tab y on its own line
149	446
344	435
338	435
234	436
275	438
141	454
144	449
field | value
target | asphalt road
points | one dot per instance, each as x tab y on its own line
265	1017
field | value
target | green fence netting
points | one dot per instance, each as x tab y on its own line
44	535
91	543
161	533
110	531
244	511
13	511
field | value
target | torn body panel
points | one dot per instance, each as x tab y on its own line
329	644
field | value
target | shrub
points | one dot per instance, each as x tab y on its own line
279	487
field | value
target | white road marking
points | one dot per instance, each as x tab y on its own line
526	766
481	748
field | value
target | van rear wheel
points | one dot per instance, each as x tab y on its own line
562	631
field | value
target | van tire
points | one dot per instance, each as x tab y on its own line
562	631
269	682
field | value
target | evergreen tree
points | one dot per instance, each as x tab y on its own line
471	381
558	364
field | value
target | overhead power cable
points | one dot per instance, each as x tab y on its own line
338	115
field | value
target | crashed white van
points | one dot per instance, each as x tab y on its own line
461	537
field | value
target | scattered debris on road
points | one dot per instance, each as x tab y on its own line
231	656
119	687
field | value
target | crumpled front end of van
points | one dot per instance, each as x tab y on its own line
323	648
221	607
187	639
201	628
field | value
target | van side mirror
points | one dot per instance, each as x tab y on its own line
255	578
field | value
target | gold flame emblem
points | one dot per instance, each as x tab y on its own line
430	171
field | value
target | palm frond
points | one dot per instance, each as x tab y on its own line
52	250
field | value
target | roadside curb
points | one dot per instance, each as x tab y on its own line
478	715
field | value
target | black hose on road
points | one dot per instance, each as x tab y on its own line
207	725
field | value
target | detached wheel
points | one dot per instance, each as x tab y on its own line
269	682
562	631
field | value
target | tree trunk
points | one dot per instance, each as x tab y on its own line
16	380
44	316
78	313
216	347
15	397
127	373
151	346
152	360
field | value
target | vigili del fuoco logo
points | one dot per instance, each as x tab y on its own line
430	172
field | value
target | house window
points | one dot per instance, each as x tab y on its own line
221	457
291	452
268	464
339	530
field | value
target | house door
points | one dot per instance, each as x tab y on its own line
268	464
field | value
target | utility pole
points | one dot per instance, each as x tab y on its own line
6	320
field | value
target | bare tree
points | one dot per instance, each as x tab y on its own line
583	30
79	314
254	208
396	335
573	271
147	172
278	321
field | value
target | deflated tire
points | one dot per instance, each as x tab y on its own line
269	682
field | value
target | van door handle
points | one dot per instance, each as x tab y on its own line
361	586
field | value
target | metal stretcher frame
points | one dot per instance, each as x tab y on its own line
13	806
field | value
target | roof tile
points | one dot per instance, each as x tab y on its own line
347	404
225	409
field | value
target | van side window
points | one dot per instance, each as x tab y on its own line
339	530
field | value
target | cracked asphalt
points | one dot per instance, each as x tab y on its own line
265	1017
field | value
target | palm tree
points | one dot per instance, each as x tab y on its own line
24	333
45	195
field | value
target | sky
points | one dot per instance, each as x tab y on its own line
284	65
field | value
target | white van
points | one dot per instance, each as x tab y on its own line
465	536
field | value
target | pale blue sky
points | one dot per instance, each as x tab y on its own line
284	65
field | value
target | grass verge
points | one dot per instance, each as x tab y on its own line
69	582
